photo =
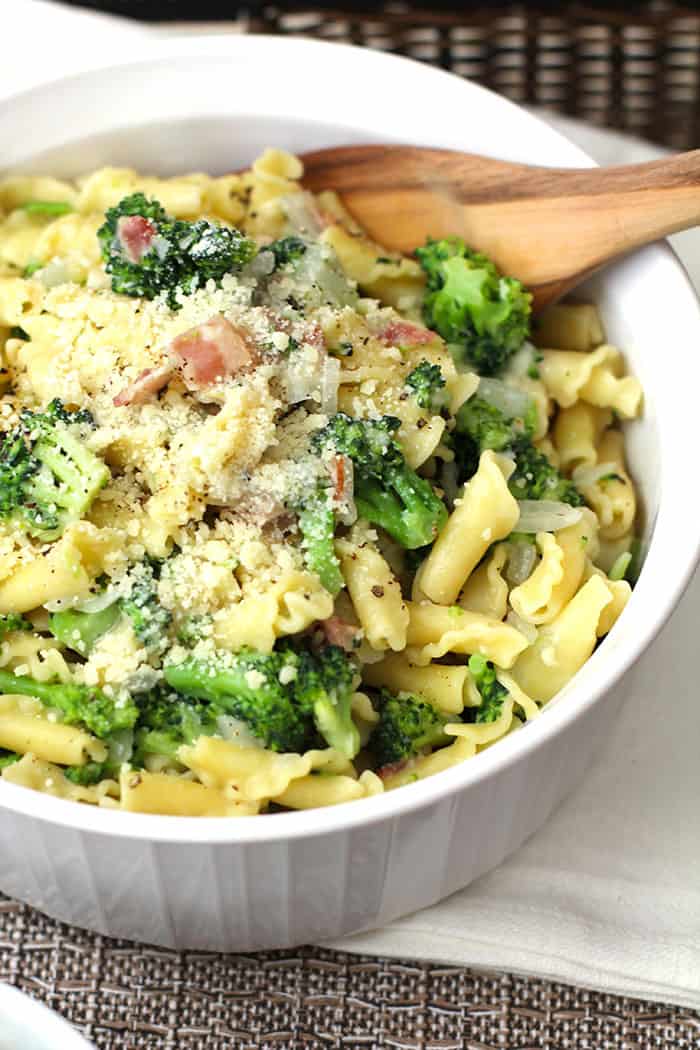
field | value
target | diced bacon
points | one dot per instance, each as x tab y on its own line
404	333
212	351
148	383
343	489
315	337
340	632
391	768
136	236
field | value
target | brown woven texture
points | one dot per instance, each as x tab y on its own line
124	997
631	66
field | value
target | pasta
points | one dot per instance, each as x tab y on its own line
266	542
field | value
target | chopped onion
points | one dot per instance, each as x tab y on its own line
545	515
302	213
231	728
54	273
121	746
97	603
522	558
507	399
590	475
528	630
521	361
329	383
303	377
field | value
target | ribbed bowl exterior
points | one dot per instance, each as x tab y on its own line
256	895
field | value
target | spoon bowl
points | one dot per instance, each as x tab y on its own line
549	227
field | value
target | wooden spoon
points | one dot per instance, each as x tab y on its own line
549	227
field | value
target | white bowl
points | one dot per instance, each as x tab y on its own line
25	1023
274	881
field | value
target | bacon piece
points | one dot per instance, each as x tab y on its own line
340	632
211	351
136	236
405	333
315	337
391	768
148	383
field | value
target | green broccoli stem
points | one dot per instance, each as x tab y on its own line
80	631
317	526
413	516
79	704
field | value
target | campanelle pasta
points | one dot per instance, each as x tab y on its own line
286	520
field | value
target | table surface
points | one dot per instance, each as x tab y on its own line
124	996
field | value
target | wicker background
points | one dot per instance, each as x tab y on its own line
125	997
634	66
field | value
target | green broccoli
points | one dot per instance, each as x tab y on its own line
490	689
481	426
167	722
483	316
407	725
387	492
81	630
279	695
48	476
427	383
79	704
148	617
534	477
48	208
286	250
148	253
323	688
8	758
13	622
317	527
88	774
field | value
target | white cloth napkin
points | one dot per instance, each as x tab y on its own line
607	894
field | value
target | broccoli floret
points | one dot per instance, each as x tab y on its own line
483	316
193	629
48	476
8	758
387	492
286	250
13	622
317	527
248	687
481	426
428	385
178	256
166	722
490	689
534	477
81	630
279	695
148	617
89	774
79	704
407	725
323	687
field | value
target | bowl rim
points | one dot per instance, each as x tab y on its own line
42	1020
513	749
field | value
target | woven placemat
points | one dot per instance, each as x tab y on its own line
124	996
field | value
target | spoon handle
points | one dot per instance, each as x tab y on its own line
547	226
